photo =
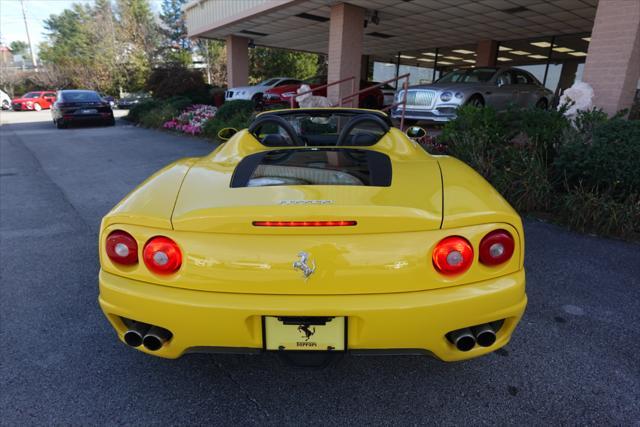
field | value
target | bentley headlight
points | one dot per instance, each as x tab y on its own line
446	96
459	95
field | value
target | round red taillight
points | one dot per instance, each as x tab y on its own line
122	248
453	255
496	247
162	255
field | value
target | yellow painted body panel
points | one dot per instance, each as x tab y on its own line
378	274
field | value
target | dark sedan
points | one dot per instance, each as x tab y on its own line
81	106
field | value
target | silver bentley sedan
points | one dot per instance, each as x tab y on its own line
483	86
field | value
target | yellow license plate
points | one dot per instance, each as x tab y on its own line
315	334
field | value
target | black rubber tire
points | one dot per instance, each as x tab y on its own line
111	122
60	124
542	104
258	102
476	101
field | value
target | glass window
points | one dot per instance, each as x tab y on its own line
473	75
81	96
32	95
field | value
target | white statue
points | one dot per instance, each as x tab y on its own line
309	100
577	97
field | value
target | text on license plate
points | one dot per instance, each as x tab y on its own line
89	111
281	333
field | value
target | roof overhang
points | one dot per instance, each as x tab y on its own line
404	25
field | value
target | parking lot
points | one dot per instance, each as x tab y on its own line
573	360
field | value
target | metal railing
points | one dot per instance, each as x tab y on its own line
292	100
355	95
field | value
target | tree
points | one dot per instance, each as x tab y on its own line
176	47
215	58
137	34
19	47
265	62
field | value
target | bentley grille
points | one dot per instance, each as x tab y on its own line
421	98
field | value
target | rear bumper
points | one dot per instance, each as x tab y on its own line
400	321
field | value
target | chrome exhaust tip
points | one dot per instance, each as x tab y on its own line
484	334
463	339
155	338
134	336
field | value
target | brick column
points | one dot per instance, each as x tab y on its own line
346	31
613	63
237	61
487	51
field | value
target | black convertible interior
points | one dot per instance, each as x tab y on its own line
322	127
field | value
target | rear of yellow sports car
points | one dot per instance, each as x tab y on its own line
418	255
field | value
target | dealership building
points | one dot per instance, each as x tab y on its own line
558	41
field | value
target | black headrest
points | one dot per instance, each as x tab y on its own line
275	140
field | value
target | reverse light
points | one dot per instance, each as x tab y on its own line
453	255
162	255
304	223
122	248
496	247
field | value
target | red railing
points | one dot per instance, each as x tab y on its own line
292	100
354	95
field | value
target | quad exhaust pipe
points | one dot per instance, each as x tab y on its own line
151	337
465	339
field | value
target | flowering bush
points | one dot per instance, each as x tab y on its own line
191	120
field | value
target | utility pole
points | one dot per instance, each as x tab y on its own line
26	26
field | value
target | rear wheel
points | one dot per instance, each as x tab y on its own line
258	102
476	101
542	104
111	122
60	124
37	107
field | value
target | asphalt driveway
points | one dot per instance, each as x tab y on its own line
575	358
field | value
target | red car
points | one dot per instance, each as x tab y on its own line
373	99
34	101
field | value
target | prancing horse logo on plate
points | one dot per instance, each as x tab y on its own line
307	330
302	265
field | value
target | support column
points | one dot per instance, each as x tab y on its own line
487	51
346	32
364	68
613	62
237	61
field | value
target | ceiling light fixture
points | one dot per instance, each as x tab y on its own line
429	53
463	51
587	39
425	59
504	49
455	58
562	49
503	59
445	63
520	52
407	57
577	53
537	56
541	44
470	61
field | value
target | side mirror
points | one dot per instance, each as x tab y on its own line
415	132
225	134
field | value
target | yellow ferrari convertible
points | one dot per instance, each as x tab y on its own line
314	230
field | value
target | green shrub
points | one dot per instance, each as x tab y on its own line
604	155
588	210
232	114
137	111
177	80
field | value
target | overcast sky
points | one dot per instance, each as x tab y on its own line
12	25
